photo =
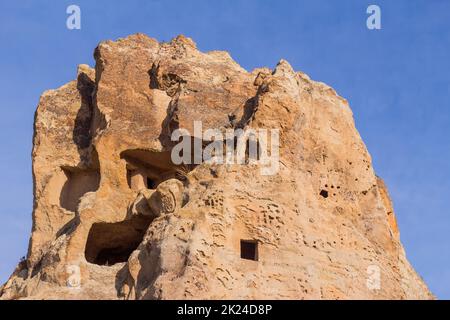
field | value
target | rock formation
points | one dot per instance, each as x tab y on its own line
115	218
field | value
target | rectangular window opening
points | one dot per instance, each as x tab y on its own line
249	250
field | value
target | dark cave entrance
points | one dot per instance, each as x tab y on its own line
111	243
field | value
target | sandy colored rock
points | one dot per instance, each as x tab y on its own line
115	218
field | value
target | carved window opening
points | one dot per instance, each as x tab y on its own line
249	250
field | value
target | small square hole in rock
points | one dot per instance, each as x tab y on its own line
249	250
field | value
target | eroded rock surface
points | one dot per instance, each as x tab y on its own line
114	218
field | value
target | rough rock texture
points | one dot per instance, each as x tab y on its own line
114	218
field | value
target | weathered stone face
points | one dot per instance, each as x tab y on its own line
114	217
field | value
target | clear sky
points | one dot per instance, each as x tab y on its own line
396	79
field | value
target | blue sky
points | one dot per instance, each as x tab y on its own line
396	79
